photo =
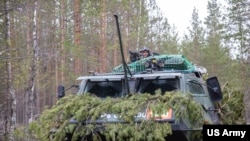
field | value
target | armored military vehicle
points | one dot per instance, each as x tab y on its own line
165	72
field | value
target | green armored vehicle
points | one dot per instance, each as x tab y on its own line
160	72
164	73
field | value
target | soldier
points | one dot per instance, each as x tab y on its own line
145	52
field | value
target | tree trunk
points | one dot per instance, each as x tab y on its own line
247	105
33	70
103	48
139	27
62	53
77	33
10	90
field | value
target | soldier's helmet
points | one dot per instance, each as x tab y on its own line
145	49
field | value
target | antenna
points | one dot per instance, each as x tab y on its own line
125	67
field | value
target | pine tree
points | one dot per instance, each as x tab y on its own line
193	43
215	55
238	23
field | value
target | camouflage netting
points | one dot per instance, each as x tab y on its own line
87	106
164	62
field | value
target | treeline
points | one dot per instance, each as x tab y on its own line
46	43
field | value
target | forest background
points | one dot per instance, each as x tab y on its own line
47	43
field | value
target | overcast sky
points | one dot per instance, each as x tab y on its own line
179	12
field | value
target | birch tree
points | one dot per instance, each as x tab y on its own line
33	69
10	89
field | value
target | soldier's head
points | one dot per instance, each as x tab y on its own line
145	52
